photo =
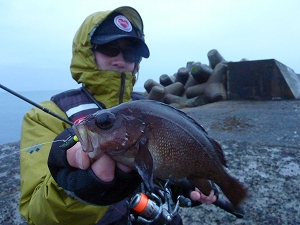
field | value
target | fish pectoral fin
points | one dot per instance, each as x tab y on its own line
143	162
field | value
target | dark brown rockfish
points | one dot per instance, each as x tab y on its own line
158	141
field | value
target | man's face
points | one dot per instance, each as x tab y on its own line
119	62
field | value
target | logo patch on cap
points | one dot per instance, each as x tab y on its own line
123	23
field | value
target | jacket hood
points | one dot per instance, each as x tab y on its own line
109	87
83	64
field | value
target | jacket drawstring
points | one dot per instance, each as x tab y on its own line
92	98
122	87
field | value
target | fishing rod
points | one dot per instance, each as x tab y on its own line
36	105
67	143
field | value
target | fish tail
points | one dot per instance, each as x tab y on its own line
234	191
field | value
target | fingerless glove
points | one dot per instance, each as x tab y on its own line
84	184
183	187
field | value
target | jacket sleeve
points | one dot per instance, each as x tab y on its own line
42	201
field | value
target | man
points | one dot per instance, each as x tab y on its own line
107	50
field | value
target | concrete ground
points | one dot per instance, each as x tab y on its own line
261	143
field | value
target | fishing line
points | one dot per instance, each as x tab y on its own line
40	145
31	147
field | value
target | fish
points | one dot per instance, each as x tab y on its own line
159	141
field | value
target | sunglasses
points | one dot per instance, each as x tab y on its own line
112	50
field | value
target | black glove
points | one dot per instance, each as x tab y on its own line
84	184
183	187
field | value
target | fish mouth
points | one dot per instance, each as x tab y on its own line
83	137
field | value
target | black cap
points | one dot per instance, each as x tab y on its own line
117	26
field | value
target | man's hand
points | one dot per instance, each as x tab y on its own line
99	181
103	167
187	189
200	197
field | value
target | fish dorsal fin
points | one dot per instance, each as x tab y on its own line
188	117
143	162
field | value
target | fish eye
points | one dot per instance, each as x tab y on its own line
105	120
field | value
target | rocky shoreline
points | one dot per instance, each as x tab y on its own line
10	184
261	143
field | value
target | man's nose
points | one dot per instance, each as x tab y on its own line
119	60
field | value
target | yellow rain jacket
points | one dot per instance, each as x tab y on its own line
42	201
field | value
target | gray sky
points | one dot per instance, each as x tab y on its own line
36	36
